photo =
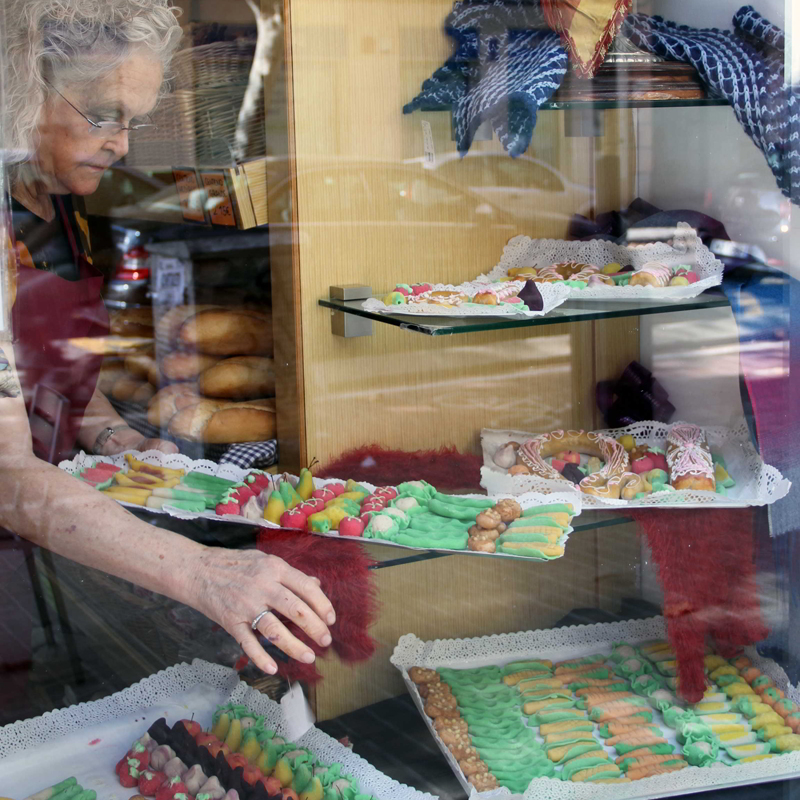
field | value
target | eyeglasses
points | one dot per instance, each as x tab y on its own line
107	128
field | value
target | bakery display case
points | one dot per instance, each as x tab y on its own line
481	314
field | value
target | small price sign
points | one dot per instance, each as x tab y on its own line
427	144
187	185
220	207
170	280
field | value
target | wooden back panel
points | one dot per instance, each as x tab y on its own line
359	207
367	211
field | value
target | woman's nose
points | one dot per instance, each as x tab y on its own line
118	144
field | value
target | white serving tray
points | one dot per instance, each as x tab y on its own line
553	295
173	461
157	458
559	644
757	483
522	251
87	740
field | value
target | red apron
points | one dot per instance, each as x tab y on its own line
48	315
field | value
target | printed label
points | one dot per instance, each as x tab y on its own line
186	183
427	143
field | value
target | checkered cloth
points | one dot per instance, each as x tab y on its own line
255	455
745	67
506	63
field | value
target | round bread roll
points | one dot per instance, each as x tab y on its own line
238	378
154	375
110	373
144	394
169	324
128	389
179	366
169	401
228	332
143	365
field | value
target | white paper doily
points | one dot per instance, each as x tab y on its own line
553	295
757	483
563	643
152	691
522	251
72	729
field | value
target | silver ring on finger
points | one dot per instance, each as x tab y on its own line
254	623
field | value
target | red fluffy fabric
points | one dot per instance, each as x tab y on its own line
343	570
705	562
446	469
704	559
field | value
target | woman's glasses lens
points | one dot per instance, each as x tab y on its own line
115	128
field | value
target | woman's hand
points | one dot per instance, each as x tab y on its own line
130	439
233	587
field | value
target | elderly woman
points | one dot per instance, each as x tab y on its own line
82	75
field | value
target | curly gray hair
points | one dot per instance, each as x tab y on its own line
70	42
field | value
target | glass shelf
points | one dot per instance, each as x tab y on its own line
575	103
241	537
632	102
587	521
571	311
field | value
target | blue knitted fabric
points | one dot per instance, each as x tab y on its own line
505	64
745	67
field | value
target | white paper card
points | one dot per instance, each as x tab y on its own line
297	714
170	280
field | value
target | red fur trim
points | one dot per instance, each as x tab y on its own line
343	570
705	562
446	468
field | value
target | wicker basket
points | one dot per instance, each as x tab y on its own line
196	123
212	65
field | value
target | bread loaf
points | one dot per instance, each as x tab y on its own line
179	366
228	333
169	401
190	423
239	425
239	377
215	422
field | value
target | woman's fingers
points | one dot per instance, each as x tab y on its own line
253	650
295	610
159	444
275	632
308	589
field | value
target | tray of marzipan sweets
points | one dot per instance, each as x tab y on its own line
593	711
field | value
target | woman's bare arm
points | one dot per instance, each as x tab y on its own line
49	507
